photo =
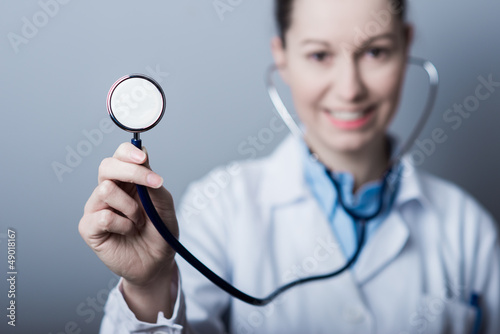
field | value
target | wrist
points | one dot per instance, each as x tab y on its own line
146	300
156	280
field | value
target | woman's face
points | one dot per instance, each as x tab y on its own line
344	61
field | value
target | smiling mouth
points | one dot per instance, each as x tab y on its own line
350	119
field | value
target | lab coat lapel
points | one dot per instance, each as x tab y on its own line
392	235
289	205
383	246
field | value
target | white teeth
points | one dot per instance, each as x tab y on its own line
347	115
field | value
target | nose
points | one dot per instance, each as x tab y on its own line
348	84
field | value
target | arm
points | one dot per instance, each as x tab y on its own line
116	228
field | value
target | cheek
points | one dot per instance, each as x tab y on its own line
306	92
385	87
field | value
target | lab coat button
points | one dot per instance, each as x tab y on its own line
353	314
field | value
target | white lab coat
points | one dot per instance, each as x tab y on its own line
263	228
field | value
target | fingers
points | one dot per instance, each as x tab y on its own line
127	152
129	172
109	195
129	164
96	227
111	208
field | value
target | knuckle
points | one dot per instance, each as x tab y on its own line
134	213
105	219
82	227
104	165
106	188
134	206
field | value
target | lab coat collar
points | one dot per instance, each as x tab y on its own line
382	247
412	188
392	235
284	182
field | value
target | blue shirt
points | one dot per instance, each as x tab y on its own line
364	202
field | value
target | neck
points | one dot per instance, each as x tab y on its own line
365	165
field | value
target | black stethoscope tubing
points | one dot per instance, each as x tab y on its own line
226	286
360	219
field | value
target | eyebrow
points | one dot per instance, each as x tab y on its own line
388	35
315	41
370	40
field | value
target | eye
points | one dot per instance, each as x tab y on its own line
320	57
377	52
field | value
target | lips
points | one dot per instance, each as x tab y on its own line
349	119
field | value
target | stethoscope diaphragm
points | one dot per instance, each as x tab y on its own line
136	103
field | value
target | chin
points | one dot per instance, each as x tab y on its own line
337	144
348	142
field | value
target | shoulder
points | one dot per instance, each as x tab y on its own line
446	195
456	210
245	182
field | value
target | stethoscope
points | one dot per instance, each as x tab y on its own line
136	103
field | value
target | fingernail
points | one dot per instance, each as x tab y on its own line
154	180
138	156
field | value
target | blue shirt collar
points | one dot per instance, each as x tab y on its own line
363	201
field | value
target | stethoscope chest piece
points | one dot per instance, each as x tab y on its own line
136	103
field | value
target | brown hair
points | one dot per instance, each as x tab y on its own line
283	14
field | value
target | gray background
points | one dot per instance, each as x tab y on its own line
54	89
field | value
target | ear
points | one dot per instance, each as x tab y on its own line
279	55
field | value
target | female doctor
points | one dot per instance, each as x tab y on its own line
431	260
